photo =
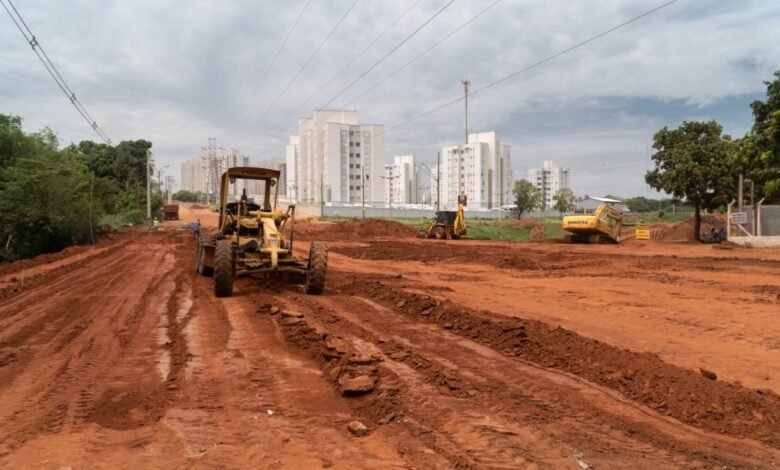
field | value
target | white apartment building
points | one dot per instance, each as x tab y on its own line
196	174
279	164
402	181
464	172
499	178
335	159
549	179
481	170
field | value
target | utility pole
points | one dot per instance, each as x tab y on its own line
169	188
148	189
466	84
740	201
211	165
363	187
438	181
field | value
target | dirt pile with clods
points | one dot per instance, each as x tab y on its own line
683	231
353	229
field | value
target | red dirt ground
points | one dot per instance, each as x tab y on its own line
480	354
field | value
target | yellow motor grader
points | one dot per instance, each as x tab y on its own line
249	238
604	224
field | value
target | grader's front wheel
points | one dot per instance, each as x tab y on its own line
318	266
223	269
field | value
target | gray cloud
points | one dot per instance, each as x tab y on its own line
179	72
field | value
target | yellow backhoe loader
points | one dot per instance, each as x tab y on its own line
447	225
604	224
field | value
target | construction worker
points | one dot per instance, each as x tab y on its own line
196	229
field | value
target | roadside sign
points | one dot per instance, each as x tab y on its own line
738	218
642	232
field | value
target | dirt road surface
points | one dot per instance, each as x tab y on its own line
471	355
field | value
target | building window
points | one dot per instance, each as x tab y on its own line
367	176
357	165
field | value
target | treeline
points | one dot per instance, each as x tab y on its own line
190	196
53	197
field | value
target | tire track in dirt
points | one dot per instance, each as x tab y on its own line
458	399
75	346
642	377
242	373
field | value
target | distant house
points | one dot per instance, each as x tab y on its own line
590	203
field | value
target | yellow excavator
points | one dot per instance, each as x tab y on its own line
603	224
447	224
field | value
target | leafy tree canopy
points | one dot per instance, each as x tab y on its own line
761	147
527	197
693	162
564	201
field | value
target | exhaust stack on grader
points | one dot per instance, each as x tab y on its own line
249	239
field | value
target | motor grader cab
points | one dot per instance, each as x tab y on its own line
447	224
249	237
604	224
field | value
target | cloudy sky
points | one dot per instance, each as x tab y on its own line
177	73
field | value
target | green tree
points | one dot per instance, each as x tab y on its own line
45	199
641	204
527	197
760	148
564	201
693	163
51	198
189	196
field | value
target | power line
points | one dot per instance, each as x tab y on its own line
532	66
404	41
275	56
441	10
360	54
420	55
49	66
314	54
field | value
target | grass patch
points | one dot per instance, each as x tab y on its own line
492	231
122	219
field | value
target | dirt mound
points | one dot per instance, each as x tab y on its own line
683	231
197	206
694	397
353	229
532	225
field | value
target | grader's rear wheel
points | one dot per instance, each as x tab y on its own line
318	266
440	233
223	269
